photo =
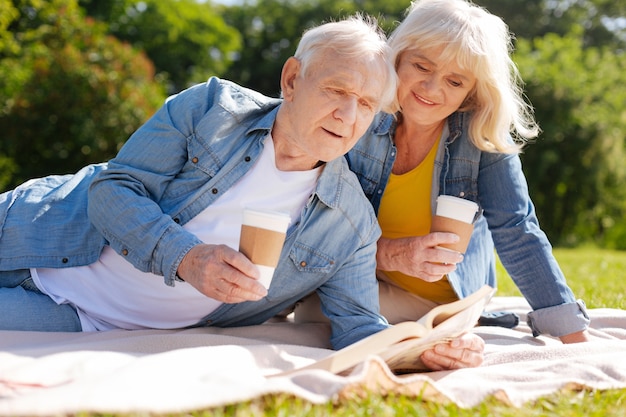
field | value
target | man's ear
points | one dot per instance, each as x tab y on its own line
288	76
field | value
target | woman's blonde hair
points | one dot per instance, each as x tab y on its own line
481	43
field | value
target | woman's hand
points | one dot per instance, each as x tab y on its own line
419	256
466	351
576	337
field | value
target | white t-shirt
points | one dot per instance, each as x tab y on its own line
111	293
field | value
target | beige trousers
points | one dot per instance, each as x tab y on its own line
396	305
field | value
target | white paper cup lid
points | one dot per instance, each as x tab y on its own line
265	219
456	208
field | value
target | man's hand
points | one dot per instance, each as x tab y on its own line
465	351
221	273
419	256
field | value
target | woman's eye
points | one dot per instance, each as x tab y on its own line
366	105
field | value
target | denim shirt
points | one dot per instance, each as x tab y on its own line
187	155
506	219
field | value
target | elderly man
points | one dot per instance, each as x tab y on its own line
90	251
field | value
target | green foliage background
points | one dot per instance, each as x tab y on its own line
77	77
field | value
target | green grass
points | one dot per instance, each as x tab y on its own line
585	403
595	275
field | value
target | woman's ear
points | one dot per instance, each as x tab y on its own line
288	76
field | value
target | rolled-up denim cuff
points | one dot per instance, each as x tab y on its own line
559	320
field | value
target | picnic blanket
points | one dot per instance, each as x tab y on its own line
155	371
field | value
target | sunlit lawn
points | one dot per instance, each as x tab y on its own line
595	275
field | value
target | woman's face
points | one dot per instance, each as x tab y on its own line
429	89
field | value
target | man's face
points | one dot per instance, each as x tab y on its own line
331	106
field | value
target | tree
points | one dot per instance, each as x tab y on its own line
108	11
271	30
188	41
602	21
70	95
576	170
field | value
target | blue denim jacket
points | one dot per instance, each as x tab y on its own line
506	218
185	157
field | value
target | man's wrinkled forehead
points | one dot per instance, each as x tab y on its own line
365	75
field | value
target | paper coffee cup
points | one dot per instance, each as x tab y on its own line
456	208
262	238
455	215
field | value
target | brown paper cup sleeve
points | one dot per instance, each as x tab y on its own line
446	224
261	246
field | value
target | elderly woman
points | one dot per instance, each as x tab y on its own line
460	123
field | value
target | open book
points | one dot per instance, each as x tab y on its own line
401	346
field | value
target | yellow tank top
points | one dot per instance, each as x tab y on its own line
405	211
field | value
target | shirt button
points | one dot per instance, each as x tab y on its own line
303	264
462	193
194	159
247	159
124	252
214	191
65	260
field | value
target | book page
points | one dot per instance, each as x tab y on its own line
402	344
444	311
404	356
350	356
